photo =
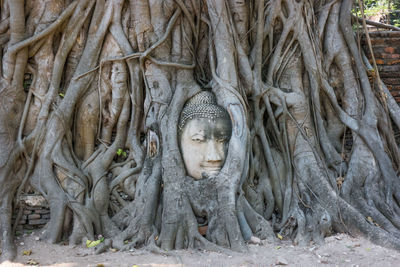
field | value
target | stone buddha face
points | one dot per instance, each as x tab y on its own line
204	133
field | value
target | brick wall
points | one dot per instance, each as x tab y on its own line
35	213
386	47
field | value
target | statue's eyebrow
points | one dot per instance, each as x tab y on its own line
198	134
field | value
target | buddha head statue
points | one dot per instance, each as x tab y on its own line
204	131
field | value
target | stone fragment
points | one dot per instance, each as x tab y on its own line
281	261
254	240
34	200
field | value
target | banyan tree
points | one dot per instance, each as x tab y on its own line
98	98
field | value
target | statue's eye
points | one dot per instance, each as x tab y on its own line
221	140
198	138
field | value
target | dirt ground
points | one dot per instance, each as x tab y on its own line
338	250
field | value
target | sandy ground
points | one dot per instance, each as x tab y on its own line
338	250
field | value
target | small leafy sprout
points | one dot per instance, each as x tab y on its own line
61	94
121	152
27	252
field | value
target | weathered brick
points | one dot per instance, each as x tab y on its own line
384	34
376	41
26	211
393	81
386	68
34	216
203	230
392	56
391	61
386	49
389	50
42	211
389	74
38	222
46	216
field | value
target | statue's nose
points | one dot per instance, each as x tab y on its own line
213	153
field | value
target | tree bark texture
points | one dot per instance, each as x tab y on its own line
90	97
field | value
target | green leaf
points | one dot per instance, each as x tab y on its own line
27	252
90	243
61	94
119	151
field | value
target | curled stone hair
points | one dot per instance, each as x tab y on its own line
201	105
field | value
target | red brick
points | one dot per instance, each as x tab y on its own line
389	50
393	56
392	61
203	230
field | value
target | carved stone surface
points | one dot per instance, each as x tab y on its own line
205	130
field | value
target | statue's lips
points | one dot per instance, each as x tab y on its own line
211	168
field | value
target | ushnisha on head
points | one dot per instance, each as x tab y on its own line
204	132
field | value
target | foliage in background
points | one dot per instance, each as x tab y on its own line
387	10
